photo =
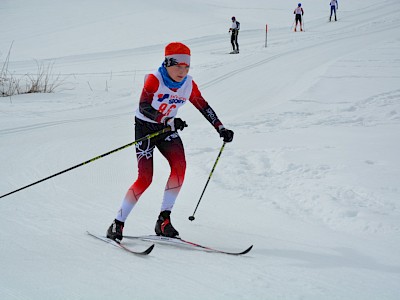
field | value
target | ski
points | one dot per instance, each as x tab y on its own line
121	246
182	242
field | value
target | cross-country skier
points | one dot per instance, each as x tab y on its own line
164	92
235	27
334	7
299	12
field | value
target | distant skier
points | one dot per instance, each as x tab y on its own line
334	7
164	92
299	12
235	27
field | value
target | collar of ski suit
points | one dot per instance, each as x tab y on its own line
168	80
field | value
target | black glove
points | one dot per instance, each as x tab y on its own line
175	123
226	134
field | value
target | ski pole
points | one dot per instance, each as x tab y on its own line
149	136
191	218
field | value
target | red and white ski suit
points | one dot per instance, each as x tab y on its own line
158	102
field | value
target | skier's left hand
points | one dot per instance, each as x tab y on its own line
226	134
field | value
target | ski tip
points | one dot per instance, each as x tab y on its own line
237	253
247	250
148	250
145	252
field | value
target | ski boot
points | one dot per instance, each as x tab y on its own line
114	232
164	226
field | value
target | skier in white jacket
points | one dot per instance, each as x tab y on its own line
299	12
235	27
334	6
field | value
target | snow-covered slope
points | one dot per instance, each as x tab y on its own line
311	178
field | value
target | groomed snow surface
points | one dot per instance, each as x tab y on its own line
312	177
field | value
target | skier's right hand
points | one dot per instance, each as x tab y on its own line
175	123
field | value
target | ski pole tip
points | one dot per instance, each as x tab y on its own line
191	218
